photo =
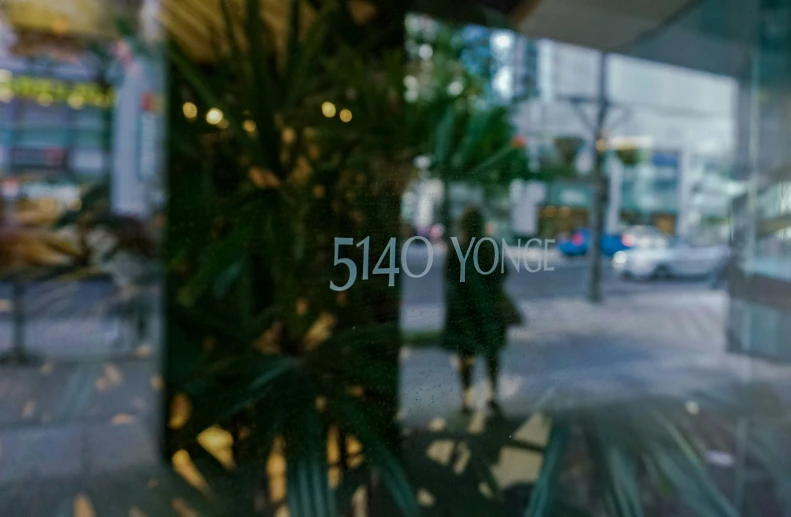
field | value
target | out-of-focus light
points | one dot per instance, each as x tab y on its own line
249	126
190	110
502	40
619	258
328	109
411	96
425	51
410	81
455	88
518	142
214	116
627	240
289	135
48	205
223	124
720	459
422	161
60	26
6	94
76	101
44	99
692	407
345	115
503	81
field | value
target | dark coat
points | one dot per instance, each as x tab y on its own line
474	323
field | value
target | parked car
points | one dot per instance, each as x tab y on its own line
645	236
579	241
679	258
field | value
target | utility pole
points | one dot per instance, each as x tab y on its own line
598	187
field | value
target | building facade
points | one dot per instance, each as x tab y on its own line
652	118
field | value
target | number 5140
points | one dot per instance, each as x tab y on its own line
388	257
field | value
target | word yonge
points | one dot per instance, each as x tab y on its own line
386	265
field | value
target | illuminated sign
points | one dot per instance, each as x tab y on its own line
76	93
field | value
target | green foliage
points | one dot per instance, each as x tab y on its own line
629	450
256	339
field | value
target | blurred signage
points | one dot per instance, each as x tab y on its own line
652	186
569	194
75	92
37	158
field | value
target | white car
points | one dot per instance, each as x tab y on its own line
677	258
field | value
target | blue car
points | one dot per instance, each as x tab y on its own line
577	244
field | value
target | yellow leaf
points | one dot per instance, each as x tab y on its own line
121	419
30	407
183	465
83	507
267	343
180	410
136	512
320	331
183	509
156	383
302	171
218	443
362	11
302	307
263	178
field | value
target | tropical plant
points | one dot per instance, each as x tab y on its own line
626	459
260	349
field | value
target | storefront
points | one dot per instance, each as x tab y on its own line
649	190
565	208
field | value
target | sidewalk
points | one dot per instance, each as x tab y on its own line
574	353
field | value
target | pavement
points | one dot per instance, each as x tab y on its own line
645	339
90	408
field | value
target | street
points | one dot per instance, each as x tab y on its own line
567	280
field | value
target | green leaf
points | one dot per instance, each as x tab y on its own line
443	140
303	59
474	132
309	494
504	155
616	472
221	257
195	78
265	95
680	466
351	416
542	499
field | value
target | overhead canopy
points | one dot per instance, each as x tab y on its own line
708	35
610	25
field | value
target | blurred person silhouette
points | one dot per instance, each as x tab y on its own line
478	309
